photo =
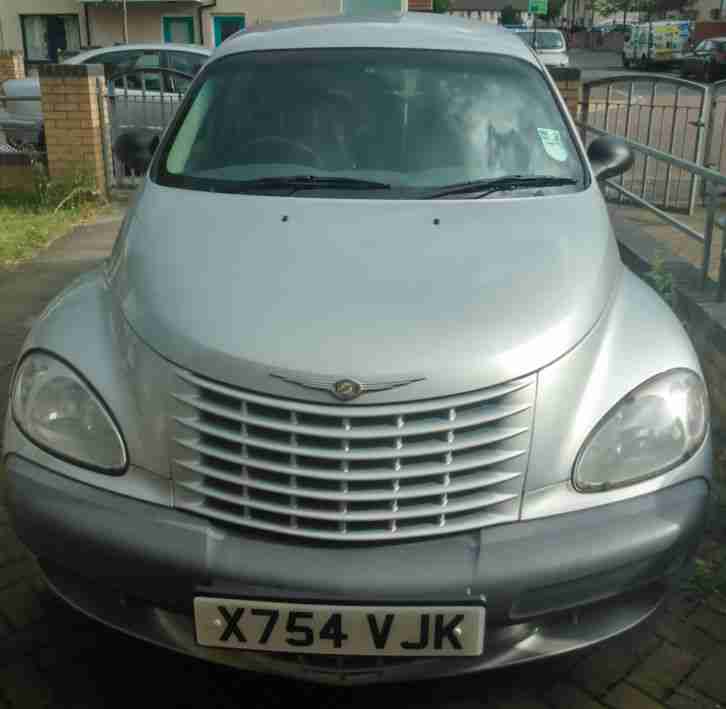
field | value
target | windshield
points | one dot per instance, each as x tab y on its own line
409	120
545	40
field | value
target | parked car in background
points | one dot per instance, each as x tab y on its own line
135	68
600	29
707	61
364	392
549	44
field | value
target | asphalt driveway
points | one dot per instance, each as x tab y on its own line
51	655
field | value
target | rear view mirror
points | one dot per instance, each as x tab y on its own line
609	157
135	148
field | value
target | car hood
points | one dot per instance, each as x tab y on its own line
461	294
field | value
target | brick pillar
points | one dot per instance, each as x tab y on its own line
74	129
569	82
12	65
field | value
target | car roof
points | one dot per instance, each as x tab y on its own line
192	48
394	31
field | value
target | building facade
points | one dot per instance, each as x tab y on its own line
709	10
489	11
46	29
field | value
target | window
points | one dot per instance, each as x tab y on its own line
179	30
45	37
417	120
227	25
123	67
187	63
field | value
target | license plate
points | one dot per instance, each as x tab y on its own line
339	630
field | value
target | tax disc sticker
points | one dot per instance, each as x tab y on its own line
552	142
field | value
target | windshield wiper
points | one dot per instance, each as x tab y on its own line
499	184
308	182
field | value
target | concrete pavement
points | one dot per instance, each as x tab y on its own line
51	655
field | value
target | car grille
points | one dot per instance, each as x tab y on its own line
351	473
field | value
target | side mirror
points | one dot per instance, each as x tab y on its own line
135	148
609	157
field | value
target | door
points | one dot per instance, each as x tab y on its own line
225	26
179	30
56	30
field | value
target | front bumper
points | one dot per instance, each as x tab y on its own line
137	566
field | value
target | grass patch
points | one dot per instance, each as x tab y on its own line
661	279
29	222
25	230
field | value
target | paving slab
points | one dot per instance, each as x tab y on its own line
710	677
688	698
612	662
710	622
568	696
660	673
626	696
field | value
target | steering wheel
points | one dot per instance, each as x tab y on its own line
279	140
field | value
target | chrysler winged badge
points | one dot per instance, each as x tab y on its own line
344	389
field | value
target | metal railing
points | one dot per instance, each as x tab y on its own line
715	151
715	187
661	112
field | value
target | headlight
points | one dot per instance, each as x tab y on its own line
57	410
656	427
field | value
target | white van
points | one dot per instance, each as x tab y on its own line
653	43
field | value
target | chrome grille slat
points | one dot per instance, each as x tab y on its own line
480	502
491	414
347	453
373	474
352	536
406	493
350	473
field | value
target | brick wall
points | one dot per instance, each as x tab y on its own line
421	5
16	173
706	30
569	83
73	121
11	66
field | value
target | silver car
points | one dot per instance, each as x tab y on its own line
550	45
364	392
147	78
